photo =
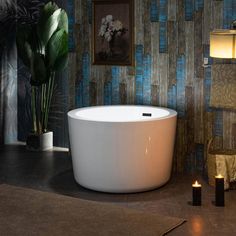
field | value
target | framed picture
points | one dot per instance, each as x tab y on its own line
113	32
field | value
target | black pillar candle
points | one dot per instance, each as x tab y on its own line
197	194
219	191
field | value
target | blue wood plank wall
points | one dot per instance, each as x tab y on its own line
154	11
202	121
139	74
189	10
167	69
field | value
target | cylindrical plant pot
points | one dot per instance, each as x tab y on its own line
41	142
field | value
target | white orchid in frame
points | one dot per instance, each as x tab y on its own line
111	27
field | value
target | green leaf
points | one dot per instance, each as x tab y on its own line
39	71
48	28
63	21
57	49
61	62
46	12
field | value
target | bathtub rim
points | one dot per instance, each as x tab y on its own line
72	114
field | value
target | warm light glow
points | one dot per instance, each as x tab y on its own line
196	184
223	44
197	225
219	176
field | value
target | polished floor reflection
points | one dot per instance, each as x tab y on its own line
52	171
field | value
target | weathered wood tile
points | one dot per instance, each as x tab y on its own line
229	119
147	26
189	26
198	46
154	14
172	6
181	27
189	10
181	81
155	53
207	21
123	93
199	111
217	15
155	94
92	93
163	79
139	74
172	50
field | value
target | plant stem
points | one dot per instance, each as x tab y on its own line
33	107
50	89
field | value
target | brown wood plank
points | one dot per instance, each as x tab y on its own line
229	119
163	79
172	10
147	26
189	93
198	111
181	146
207	21
72	79
155	94
189	25
92	93
172	50
217	15
139	26
155	52
198	46
123	93
181	26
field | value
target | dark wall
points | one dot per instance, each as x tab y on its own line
8	73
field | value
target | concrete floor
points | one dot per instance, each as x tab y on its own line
52	171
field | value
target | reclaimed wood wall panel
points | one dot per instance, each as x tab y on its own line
171	39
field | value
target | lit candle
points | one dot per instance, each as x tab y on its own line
197	194
219	191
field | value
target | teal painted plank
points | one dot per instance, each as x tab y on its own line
163	10
189	9
139	74
207	81
163	42
199	4
115	73
147	71
180	77
228	13
154	15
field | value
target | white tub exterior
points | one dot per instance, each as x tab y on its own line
116	149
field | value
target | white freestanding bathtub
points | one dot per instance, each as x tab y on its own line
122	149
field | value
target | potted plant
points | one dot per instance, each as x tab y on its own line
43	48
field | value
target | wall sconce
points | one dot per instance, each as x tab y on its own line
223	42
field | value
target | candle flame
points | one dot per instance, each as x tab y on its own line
220	176
196	184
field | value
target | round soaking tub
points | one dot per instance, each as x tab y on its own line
122	149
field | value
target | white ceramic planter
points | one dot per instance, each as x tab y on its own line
40	142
